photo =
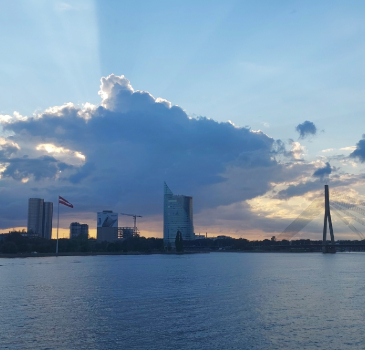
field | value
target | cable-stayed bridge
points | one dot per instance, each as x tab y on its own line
349	210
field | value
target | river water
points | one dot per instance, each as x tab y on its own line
199	301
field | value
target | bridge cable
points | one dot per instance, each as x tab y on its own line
338	205
353	228
350	203
310	213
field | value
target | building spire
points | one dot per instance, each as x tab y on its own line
166	189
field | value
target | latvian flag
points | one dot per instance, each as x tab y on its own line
64	202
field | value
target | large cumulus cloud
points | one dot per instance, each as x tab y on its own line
117	155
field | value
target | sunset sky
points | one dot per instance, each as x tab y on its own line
249	107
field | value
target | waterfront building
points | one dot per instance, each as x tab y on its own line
177	216
35	216
77	230
107	226
47	220
40	215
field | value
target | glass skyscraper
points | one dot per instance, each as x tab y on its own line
177	216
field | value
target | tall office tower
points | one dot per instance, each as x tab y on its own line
40	215
35	216
77	229
107	226
47	220
177	216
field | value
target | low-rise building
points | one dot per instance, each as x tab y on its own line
125	232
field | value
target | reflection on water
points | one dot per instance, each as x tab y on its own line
201	301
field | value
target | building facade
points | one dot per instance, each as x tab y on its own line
177	216
85	230
77	230
47	220
40	214
107	226
125	232
35	216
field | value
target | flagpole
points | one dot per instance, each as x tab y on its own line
58	223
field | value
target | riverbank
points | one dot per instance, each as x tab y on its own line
44	255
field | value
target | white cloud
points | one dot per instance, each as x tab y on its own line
63	6
4	143
163	101
350	148
6	119
297	150
54	150
57	111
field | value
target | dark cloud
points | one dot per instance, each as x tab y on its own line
310	186
323	172
359	152
82	173
22	168
306	129
279	148
299	189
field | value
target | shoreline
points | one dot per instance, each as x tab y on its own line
45	255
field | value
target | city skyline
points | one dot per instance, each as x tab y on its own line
251	117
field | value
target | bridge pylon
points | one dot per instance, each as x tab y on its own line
327	248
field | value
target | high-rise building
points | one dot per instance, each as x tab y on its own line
107	226
35	216
40	215
177	216
77	229
47	220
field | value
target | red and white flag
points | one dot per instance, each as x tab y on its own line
64	202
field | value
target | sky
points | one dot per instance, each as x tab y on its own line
249	107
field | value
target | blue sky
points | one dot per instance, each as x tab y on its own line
265	65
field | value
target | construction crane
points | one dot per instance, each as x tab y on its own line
135	221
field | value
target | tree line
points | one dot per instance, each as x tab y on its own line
16	243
